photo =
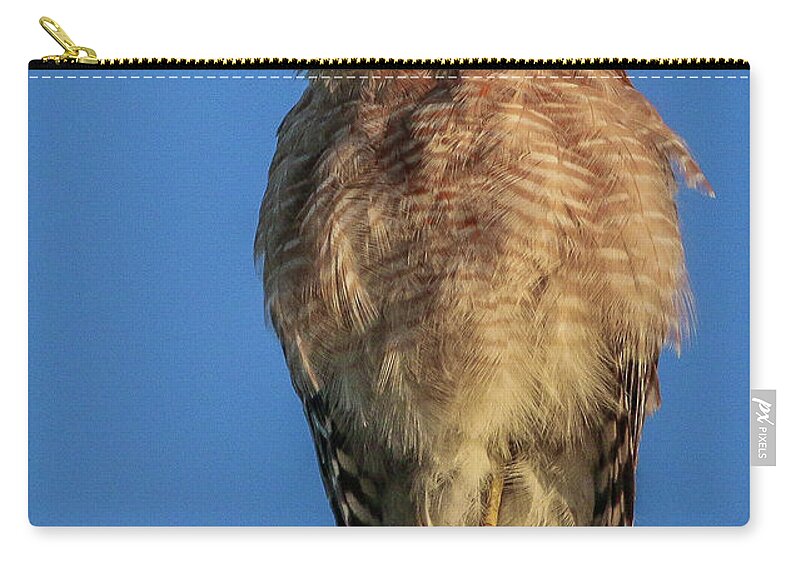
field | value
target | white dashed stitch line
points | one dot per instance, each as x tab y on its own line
366	77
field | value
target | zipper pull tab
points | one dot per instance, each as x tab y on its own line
72	53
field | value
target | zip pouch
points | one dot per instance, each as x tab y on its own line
498	292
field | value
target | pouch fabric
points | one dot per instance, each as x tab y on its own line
157	393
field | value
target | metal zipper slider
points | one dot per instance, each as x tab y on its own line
72	53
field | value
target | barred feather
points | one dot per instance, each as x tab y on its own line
473	277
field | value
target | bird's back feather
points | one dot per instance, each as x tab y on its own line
473	277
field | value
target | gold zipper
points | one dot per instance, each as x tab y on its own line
75	55
72	53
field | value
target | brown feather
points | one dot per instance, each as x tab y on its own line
476	272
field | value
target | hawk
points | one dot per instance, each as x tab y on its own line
472	275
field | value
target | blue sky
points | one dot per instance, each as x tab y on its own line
157	395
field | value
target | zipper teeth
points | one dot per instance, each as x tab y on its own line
421	63
440	63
